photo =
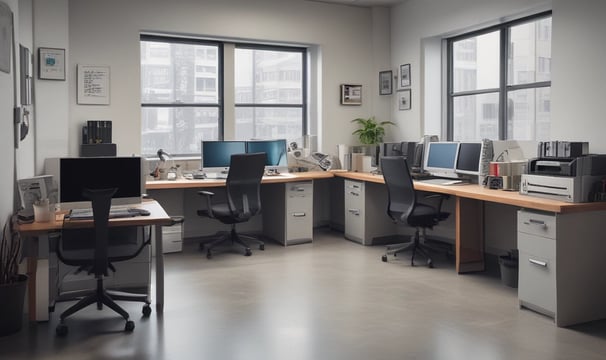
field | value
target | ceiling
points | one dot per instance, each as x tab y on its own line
363	3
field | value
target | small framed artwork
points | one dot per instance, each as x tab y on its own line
385	82
404	99
51	64
405	75
351	94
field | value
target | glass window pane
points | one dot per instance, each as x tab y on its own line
183	73
476	117
177	130
476	62
529	114
269	123
530	52
268	77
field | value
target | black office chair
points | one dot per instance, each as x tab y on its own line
243	191
404	208
94	250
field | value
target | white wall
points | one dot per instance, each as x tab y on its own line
345	38
579	52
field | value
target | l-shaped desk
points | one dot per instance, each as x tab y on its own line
561	244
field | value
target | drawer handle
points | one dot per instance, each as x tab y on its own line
354	193
538	262
298	189
298	214
539	223
354	211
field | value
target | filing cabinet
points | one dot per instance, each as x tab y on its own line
287	210
366	217
561	264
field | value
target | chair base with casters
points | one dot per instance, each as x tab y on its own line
108	298
415	246
233	238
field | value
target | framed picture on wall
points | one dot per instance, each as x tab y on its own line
351	94
385	82
404	99
51	64
405	75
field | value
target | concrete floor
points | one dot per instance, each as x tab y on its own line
332	299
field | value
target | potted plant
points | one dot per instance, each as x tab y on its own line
370	133
12	284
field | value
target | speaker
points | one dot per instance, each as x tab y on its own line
92	150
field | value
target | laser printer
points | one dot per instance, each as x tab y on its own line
578	179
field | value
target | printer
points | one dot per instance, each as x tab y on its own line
577	179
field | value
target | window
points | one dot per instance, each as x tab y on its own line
499	82
181	98
270	96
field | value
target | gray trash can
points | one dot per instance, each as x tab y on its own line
509	269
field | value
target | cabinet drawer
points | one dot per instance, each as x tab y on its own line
537	276
537	224
299	189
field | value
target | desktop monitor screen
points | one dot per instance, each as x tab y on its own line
77	174
441	158
216	155
275	150
468	159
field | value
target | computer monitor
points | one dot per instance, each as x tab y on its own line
469	158
76	174
440	159
275	150
216	155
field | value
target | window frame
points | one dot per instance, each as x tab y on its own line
503	89
304	83
220	105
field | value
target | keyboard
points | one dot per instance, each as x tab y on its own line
438	181
87	214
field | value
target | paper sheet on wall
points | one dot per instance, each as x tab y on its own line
93	85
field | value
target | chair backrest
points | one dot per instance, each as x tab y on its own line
95	248
243	184
400	188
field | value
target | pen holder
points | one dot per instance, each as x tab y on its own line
42	211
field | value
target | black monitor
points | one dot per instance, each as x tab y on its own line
440	159
275	150
469	158
216	155
77	174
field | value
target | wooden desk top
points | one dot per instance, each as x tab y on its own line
202	183
157	217
474	191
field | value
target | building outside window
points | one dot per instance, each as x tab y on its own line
499	82
270	94
182	93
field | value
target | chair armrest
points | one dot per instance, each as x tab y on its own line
439	199
209	209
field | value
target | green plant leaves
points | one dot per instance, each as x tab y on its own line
370	132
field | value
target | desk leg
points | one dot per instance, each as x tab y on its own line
159	270
469	235
32	271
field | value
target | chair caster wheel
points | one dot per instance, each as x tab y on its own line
209	255
262	247
430	264
130	326
384	258
247	252
146	310
61	330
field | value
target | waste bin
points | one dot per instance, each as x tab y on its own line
509	269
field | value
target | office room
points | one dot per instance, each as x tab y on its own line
330	298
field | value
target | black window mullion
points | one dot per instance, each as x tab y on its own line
504	104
